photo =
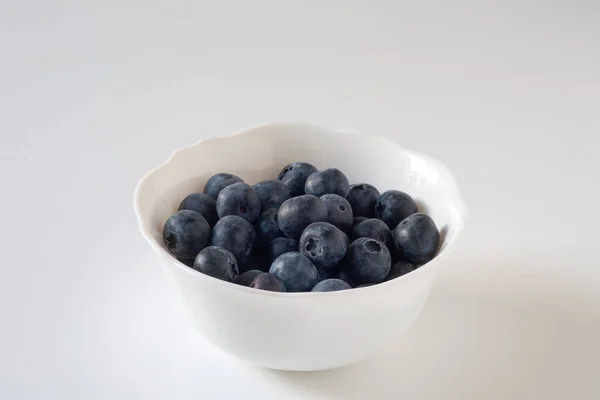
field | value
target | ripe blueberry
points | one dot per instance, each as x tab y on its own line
218	182
294	176
186	233
297	213
203	204
218	263
271	194
331	180
323	244
417	239
393	206
362	197
238	199
339	212
296	271
375	229
367	261
235	234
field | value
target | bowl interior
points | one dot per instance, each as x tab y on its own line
260	153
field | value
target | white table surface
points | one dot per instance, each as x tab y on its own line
93	94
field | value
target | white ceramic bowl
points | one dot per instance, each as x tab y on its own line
301	331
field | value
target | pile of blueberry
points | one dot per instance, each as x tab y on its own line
308	230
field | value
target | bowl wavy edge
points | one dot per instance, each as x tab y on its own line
145	232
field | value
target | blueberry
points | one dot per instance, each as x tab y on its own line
218	182
218	263
266	228
331	285
294	176
375	229
399	268
367	261
362	197
271	194
280	246
270	282
331	180
339	211
203	204
238	199
296	271
323	244
365	285
186	233
393	206
246	278
297	213
417	239
235	234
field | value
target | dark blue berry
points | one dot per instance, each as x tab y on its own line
218	182
246	278
203	204
271	194
399	268
375	229
331	285
323	244
296	271
235	234
339	212
186	233
279	246
239	199
362	197
267	228
367	261
365	285
393	206
331	180
266	281
297	213
294	176
417	239
218	263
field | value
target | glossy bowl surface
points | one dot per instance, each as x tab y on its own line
301	331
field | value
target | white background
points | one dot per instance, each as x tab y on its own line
93	94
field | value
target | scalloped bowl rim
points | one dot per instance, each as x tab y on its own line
142	223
